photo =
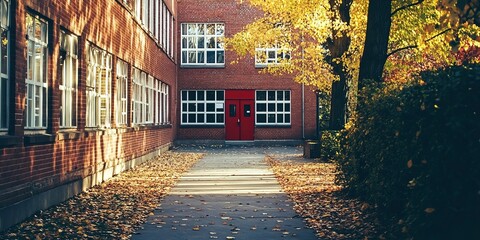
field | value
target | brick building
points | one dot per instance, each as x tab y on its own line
92	88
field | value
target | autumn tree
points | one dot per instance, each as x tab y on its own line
318	36
416	35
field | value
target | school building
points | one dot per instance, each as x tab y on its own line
89	89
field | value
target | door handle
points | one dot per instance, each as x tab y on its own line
238	121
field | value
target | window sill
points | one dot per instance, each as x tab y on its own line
202	126
187	66
9	141
38	139
68	135
273	126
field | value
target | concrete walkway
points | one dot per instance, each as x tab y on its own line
229	194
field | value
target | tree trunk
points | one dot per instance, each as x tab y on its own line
376	42
338	46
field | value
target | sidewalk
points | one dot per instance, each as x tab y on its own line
229	194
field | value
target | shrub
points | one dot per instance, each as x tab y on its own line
414	152
330	144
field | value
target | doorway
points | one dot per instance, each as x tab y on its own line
239	115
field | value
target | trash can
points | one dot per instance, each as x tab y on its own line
311	149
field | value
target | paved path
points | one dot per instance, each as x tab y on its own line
229	194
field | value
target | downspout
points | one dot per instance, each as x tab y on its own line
303	111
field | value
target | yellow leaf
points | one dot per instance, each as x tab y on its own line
410	163
429	210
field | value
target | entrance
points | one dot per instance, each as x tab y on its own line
239	115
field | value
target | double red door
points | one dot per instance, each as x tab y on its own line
239	115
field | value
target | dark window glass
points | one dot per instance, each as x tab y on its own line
220	95
280	95
192	107
211	95
287	95
210	56
233	110
261	107
184	118
210	107
287	107
247	111
201	118
192	95
184	95
261	95
200	95
279	118
280	107
261	118
287	118
184	107
192	118
271	107
201	107
220	118
210	118
271	118
271	95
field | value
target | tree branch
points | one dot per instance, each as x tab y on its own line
406	6
416	45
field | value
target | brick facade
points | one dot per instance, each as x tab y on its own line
242	75
39	169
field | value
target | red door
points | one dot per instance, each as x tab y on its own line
239	115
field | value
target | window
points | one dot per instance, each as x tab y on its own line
203	44
69	80
149	99
121	93
162	103
138	8
128	3
138	97
203	107
37	56
4	63
99	79
271	56
273	108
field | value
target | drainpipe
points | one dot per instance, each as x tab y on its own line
303	111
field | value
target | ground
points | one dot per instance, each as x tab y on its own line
117	208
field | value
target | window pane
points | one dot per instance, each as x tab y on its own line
192	95
201	95
261	107
210	56
210	95
220	118
220	95
220	57
261	95
261	118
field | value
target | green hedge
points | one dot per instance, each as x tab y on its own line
414	152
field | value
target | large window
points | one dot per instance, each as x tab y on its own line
162	103
203	107
271	56
121	93
37	56
69	80
138	96
4	63
99	80
203	44
273	108
155	17
150	103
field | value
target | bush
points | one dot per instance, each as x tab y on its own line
330	144
414	152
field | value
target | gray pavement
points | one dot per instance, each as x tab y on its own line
229	194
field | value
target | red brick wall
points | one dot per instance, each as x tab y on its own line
242	75
29	169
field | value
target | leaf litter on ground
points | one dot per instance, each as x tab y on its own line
326	207
111	210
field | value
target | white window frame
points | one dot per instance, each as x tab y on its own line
98	87
145	13
69	82
157	20
263	58
278	107
149	100
4	64
190	107
166	103
196	53
138	9
36	107
121	93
